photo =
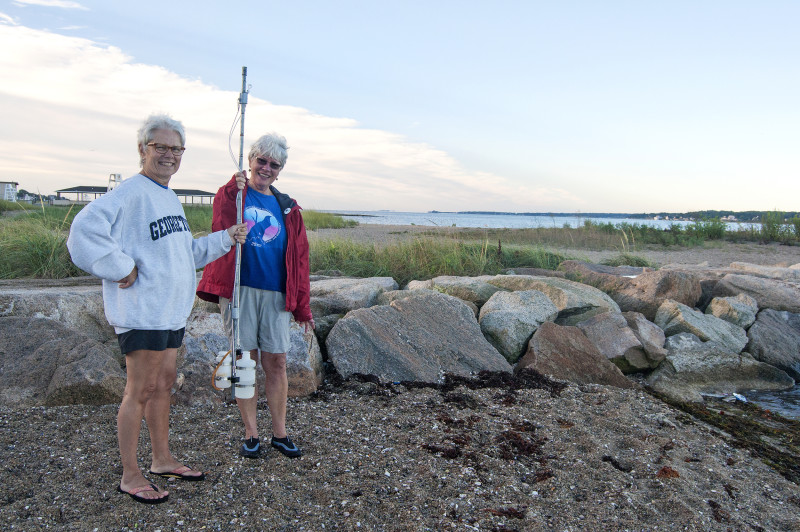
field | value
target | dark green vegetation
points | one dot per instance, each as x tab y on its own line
33	238
426	257
32	244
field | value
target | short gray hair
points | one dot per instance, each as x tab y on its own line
272	145
153	122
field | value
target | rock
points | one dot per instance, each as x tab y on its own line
675	318
303	362
324	324
205	337
707	288
650	335
575	302
772	272
693	368
768	293
78	307
387	297
740	310
565	353
616	341
340	295
702	270
644	293
540	272
417	338
774	339
509	319
473	289
42	362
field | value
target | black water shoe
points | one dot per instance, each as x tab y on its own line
286	447
251	448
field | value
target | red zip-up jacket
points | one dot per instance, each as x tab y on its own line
218	277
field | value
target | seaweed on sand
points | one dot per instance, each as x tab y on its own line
768	436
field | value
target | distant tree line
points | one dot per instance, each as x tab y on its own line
742	216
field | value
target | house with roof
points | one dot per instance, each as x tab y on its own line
8	190
87	193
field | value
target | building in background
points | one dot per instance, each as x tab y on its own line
8	190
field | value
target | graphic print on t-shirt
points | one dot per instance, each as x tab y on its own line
262	225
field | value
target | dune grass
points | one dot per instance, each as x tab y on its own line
200	216
9	206
35	244
424	258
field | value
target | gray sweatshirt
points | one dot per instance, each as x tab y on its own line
142	223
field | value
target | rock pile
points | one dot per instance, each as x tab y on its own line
688	330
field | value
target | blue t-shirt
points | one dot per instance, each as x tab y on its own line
263	265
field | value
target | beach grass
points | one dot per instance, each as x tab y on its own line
32	249
6	206
200	216
424	258
33	240
32	244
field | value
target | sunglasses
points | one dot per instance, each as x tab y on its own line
272	164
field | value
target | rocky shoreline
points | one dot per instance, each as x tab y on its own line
500	451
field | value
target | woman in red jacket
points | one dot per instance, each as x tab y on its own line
274	281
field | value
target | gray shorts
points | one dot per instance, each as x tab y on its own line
263	320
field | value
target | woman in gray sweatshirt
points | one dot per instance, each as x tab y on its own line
137	240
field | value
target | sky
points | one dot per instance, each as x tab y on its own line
519	106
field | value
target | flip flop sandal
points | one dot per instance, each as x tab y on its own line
179	473
134	494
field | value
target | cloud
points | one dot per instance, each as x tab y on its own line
71	109
7	19
63	4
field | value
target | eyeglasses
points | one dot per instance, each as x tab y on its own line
264	162
177	151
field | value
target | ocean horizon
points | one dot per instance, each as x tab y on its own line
508	220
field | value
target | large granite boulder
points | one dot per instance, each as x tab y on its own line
675	318
650	335
564	353
694	368
575	301
509	319
769	293
417	338
644	293
387	297
618	342
43	362
771	272
340	295
75	303
205	338
740	310
774	338
473	289
303	362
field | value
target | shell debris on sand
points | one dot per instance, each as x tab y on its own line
496	456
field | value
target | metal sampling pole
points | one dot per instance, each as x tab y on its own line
236	348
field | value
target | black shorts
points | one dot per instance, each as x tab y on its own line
137	339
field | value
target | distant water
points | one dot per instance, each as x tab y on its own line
785	403
511	221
